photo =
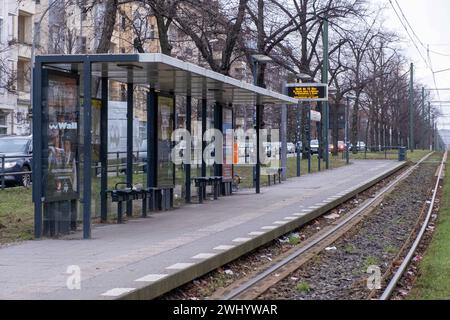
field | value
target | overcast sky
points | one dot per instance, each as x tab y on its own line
430	20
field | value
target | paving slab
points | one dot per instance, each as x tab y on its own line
145	257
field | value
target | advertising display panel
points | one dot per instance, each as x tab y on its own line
165	128
61	181
227	126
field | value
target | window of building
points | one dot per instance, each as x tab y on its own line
37	30
112	47
21	29
54	39
11	79
152	32
81	44
82	4
1	30
3	120
21	75
11	27
123	23
123	92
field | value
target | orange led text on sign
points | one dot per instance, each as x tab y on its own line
306	93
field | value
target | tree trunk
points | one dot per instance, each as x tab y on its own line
109	21
163	34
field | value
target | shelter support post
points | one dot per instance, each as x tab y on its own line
104	150
258	165
218	125
87	171
37	149
187	165
129	144
152	139
204	118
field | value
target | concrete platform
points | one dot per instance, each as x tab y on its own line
146	257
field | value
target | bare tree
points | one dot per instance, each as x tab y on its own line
214	28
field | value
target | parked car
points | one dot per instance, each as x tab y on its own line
361	146
341	146
314	144
290	147
17	152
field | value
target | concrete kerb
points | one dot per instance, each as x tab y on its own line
172	281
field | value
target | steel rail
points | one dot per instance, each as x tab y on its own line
252	282
401	270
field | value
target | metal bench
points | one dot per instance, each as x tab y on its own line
202	182
274	174
161	198
158	198
128	193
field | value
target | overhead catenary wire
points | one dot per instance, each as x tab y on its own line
407	31
428	63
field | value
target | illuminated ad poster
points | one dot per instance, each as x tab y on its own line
227	126
62	135
165	129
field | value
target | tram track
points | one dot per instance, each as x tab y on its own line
391	286
253	287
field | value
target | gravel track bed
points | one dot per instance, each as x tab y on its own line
260	259
341	271
409	278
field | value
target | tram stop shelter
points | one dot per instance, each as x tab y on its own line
70	127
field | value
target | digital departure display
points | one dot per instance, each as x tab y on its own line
308	92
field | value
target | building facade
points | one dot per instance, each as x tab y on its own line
16	29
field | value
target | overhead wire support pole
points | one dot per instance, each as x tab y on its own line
429	126
411	107
423	119
346	130
325	106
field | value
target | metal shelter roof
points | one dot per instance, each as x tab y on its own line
168	74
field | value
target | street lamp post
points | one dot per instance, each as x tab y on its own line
411	108
346	130
258	59
304	77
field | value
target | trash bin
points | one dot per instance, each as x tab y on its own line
402	154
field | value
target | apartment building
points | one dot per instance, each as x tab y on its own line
16	29
65	27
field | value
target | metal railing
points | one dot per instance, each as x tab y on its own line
384	151
118	167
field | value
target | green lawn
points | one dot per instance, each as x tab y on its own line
389	155
245	172
434	279
16	214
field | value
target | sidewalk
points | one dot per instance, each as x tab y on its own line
175	245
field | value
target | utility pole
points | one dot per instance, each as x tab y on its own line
283	134
298	136
433	139
429	126
346	131
325	106
422	138
411	103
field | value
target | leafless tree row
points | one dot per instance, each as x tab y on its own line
366	61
